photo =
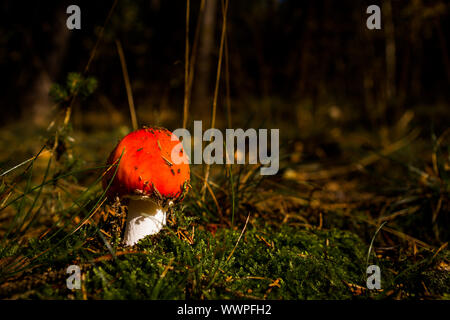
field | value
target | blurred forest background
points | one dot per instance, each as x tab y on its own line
364	146
306	54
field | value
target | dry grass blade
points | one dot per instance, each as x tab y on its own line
190	70
219	209
434	155
216	89
373	239
440	249
239	239
399	213
227	81
186	68
25	162
127	85
89	218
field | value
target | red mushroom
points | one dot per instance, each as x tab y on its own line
148	177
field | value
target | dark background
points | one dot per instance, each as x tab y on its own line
307	52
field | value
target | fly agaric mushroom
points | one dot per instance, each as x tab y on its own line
148	178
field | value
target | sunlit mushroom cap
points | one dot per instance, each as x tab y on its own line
146	168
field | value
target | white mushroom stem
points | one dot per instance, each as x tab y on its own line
145	217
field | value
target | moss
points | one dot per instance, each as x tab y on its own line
284	263
268	262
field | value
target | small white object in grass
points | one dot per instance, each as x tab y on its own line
145	217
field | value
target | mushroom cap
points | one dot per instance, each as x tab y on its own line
146	168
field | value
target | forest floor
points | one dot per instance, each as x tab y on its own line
344	199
